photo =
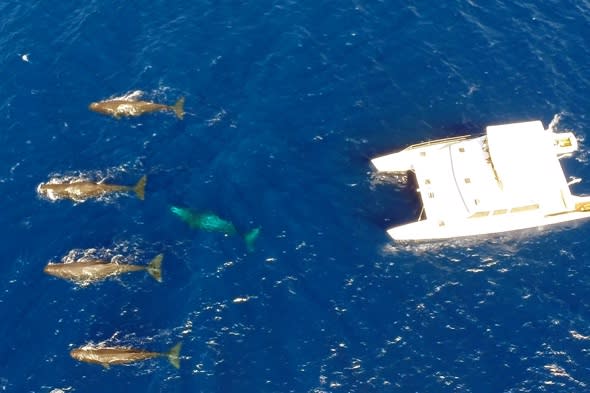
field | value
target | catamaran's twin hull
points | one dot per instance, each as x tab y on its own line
425	230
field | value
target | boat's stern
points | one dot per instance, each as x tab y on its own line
395	162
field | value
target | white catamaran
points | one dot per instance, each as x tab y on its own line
508	179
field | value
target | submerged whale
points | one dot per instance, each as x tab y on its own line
213	223
89	271
107	356
132	107
80	191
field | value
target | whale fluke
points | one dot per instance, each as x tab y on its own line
174	355
178	108
154	268
139	188
250	237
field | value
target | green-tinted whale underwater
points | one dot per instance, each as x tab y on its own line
213	223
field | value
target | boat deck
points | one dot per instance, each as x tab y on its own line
508	179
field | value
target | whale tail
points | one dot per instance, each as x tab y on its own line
139	188
174	355
154	268
250	237
178	108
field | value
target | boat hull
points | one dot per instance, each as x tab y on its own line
426	230
508	179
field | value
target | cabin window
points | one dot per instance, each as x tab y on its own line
479	214
423	153
431	195
427	181
524	208
467	180
462	149
500	211
476	202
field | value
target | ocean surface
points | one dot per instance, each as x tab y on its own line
286	101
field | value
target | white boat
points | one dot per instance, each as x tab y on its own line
508	179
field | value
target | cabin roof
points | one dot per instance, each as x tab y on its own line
524	158
512	167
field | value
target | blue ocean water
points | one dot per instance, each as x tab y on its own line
286	103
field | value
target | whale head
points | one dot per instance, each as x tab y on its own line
183	213
50	269
78	354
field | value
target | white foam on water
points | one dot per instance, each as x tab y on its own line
129	96
61	390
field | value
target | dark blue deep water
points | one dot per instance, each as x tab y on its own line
286	103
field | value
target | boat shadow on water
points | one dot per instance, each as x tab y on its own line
402	196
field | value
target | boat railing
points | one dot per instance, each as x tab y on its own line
437	142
